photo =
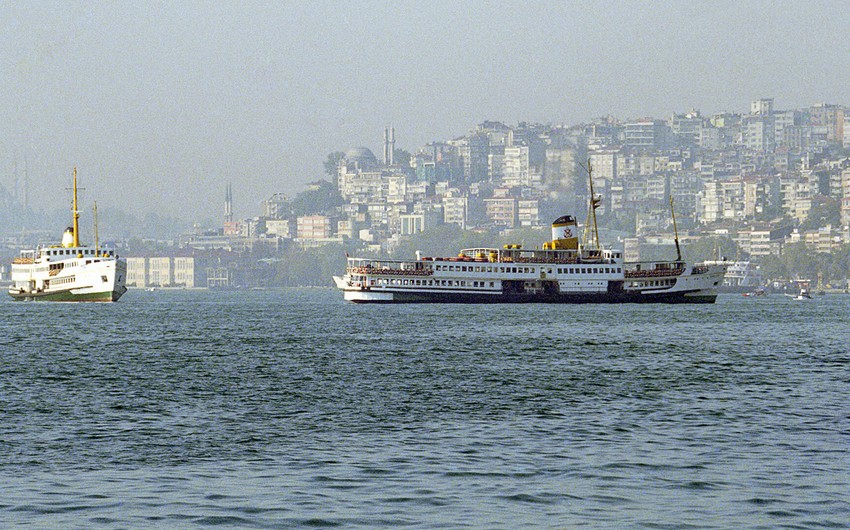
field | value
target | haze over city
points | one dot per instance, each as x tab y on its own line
161	104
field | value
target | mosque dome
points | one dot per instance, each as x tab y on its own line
360	154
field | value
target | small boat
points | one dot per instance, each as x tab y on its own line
760	291
70	271
803	295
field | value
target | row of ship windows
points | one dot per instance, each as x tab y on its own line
653	283
433	283
589	270
69	279
70	252
532	270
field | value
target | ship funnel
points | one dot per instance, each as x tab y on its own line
68	238
564	233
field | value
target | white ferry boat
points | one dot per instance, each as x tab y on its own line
70	272
742	276
563	271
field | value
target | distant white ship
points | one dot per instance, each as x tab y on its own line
69	272
741	277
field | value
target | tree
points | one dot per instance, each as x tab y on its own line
310	267
401	157
710	248
320	197
332	162
825	211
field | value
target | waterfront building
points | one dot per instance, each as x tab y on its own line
137	272
822	240
163	271
184	271
160	272
279	228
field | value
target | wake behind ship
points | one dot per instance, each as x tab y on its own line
69	272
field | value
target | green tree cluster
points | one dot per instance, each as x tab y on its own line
800	262
710	248
312	267
321	197
825	211
331	162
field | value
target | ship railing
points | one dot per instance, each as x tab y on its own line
363	266
518	255
705	267
653	273
388	271
654	269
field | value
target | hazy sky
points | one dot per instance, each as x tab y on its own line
161	104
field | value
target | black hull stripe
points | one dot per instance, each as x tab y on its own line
515	298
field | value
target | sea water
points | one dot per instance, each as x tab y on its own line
292	408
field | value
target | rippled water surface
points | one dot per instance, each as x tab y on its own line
286	409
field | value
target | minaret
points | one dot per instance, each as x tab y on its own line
386	146
389	145
392	145
228	205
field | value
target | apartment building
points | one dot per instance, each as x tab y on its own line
313	227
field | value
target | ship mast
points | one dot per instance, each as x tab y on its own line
675	231
96	238
591	214
76	213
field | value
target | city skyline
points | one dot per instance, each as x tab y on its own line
159	103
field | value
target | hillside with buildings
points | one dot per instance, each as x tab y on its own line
757	184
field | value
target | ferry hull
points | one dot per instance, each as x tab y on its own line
67	296
680	297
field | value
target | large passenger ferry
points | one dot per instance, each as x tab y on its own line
69	272
564	271
560	272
